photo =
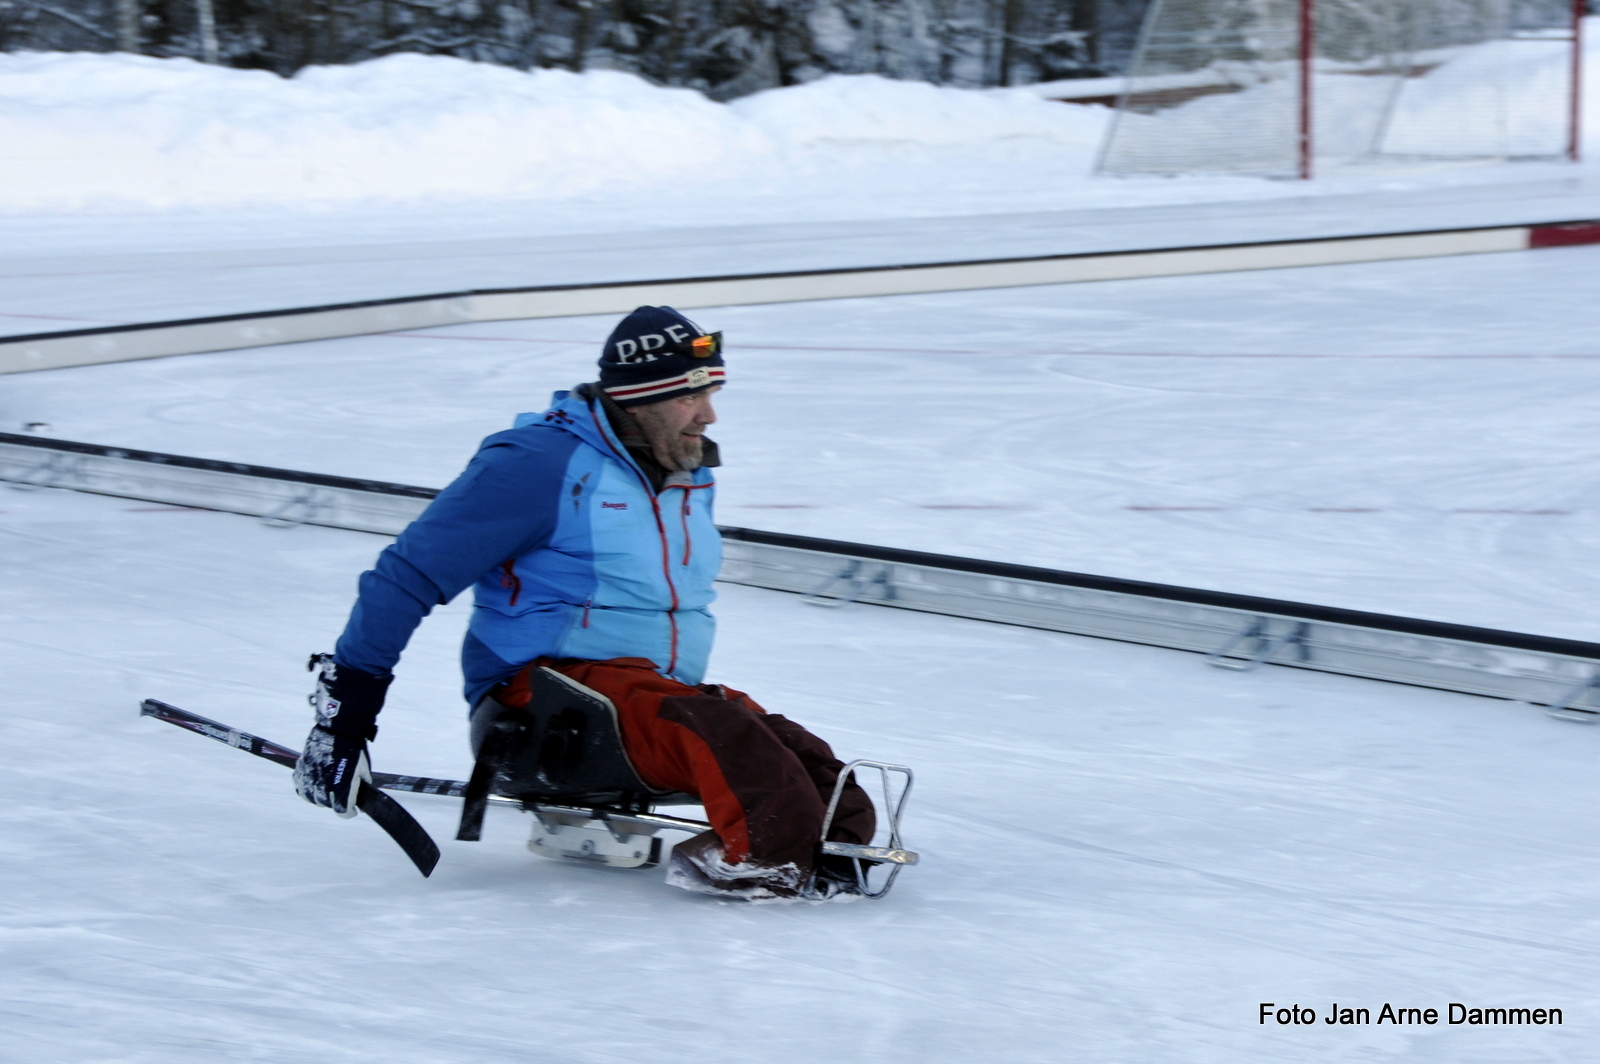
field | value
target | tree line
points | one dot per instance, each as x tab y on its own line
725	48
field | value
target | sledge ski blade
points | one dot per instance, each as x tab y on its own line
885	854
387	813
402	827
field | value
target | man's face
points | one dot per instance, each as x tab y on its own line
673	427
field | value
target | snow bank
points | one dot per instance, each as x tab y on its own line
1505	97
85	129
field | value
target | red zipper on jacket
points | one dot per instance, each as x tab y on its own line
687	488
509	578
684	514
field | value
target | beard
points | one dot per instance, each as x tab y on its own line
680	452
674	449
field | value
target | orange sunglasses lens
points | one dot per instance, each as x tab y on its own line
707	345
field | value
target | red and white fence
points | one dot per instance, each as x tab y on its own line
123	343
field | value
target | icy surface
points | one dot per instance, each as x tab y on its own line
1411	438
1125	852
69	287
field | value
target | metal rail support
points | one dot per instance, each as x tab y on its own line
55	471
300	510
1265	646
856	582
1563	708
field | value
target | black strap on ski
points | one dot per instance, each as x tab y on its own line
389	814
491	755
476	801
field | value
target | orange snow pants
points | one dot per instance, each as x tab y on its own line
764	780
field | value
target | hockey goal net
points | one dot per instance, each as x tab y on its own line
1279	87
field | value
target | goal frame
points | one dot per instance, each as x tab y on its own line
1301	159
1308	49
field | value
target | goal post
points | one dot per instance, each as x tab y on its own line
1289	87
1305	142
1575	119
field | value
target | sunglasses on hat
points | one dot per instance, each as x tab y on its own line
707	346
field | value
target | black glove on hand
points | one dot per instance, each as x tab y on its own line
335	758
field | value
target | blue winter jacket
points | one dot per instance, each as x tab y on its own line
572	552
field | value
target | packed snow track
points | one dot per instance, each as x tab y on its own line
1124	853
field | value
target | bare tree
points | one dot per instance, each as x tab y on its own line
726	48
128	16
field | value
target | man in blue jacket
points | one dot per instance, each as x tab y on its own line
588	536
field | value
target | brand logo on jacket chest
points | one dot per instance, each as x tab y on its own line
613	506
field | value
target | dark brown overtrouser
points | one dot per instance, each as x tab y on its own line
764	780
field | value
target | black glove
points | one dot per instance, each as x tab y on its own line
335	758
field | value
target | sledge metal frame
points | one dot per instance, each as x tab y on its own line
624	824
1239	632
620	822
895	855
596	841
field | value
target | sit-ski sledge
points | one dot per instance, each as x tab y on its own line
562	760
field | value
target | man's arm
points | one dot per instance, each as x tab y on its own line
502	506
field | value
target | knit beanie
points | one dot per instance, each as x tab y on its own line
655	353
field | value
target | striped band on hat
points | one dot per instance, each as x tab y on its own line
694	380
655	354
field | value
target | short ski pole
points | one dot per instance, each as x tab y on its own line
389	814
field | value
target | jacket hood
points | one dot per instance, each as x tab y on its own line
572	412
582	412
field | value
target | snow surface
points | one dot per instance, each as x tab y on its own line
185	134
1409	437
140	189
1125	852
117	134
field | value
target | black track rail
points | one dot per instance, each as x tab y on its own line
600	286
376	487
1302	611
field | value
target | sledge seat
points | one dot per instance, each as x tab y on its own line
564	747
